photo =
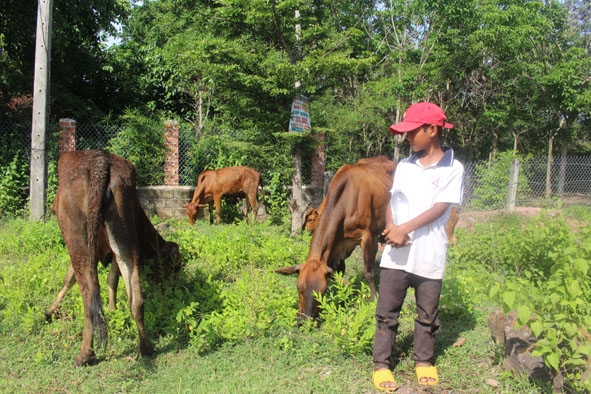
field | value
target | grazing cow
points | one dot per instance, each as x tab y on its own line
212	185
98	210
354	214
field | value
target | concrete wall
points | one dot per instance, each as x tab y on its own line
167	201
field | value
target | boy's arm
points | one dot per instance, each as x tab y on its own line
426	217
397	236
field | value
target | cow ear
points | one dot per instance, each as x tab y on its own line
329	271
295	269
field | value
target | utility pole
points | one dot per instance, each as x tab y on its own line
297	205
38	181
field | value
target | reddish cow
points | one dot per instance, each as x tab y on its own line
98	209
353	215
212	185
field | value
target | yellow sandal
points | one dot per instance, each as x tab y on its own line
382	376
428	375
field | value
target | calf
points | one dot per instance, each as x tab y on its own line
212	185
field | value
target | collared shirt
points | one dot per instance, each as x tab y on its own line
424	186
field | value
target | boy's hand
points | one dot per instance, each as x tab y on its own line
396	237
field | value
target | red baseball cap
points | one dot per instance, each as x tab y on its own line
420	114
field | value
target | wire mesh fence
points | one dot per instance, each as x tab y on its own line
539	183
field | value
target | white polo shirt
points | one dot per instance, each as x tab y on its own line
425	186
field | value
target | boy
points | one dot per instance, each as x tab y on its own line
415	254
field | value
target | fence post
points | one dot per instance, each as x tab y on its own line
513	182
171	162
67	135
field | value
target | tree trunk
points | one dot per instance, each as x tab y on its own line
297	206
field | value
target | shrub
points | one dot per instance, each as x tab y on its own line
347	313
141	141
255	306
14	185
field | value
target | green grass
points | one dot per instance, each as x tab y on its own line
266	352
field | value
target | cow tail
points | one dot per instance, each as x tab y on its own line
99	320
98	200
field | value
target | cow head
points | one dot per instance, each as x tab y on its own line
191	211
312	278
165	263
172	258
311	219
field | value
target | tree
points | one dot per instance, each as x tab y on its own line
82	84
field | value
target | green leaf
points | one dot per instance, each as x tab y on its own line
552	360
509	299
536	328
523	313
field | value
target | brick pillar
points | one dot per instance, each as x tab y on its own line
67	135
171	163
319	162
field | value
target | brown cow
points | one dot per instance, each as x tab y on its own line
212	185
97	199
353	215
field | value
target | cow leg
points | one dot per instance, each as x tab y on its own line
94	318
113	283
210	204
218	208
85	272
125	246
252	205
69	281
370	249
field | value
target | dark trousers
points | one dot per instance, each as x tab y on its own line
393	287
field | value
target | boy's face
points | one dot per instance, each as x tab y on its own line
421	138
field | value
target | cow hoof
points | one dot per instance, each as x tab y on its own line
48	317
146	349
83	359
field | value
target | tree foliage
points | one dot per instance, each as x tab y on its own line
512	75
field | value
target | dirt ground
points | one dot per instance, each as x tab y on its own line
469	219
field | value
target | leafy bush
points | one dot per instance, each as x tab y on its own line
276	200
541	268
141	141
223	251
255	306
348	315
14	185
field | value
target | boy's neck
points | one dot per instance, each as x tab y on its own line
431	155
